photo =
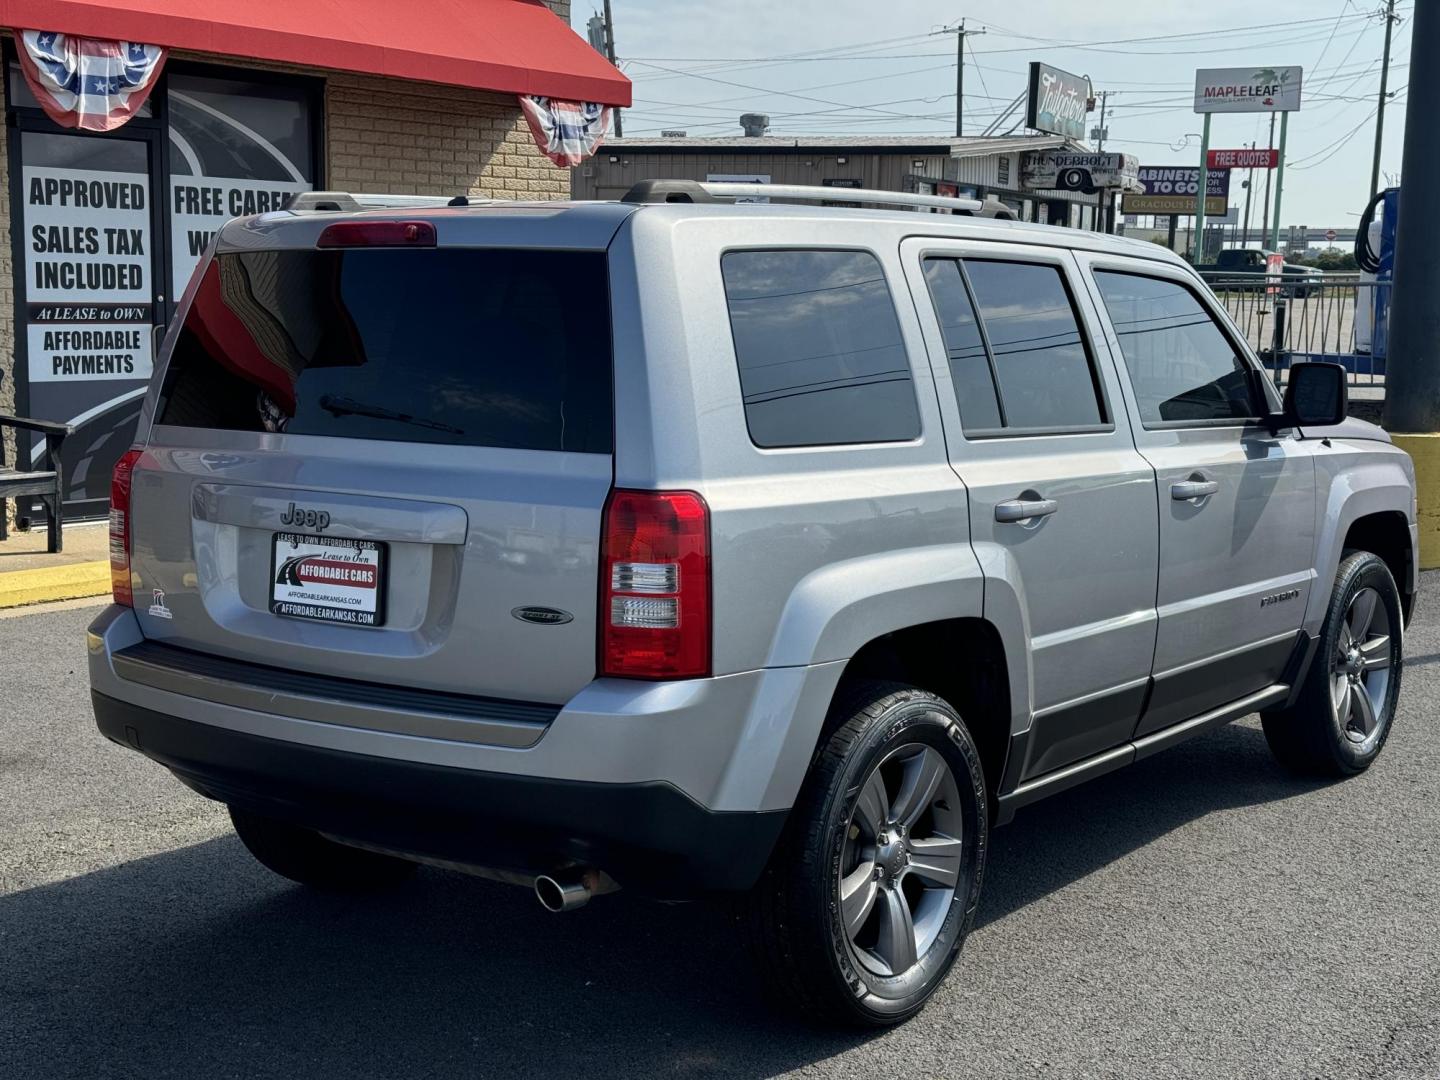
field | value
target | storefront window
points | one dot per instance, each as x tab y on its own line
235	148
22	97
98	282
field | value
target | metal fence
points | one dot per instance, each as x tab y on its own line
1307	319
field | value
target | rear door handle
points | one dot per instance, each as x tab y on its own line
1025	509
1185	490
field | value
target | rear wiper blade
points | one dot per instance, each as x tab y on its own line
343	406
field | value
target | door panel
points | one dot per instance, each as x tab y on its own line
1064	519
1237	504
1235	566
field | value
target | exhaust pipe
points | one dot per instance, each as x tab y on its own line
571	888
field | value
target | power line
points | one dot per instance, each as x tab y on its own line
1343	8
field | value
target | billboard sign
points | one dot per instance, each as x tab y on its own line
1248	89
1168	190
1050	170
1057	102
1243	159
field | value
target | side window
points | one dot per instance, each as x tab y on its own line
1182	366
819	349
964	346
1045	376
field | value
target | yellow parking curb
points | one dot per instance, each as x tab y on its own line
18	587
1424	450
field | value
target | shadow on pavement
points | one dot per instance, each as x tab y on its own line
198	963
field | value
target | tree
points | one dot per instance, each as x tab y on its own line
1331	260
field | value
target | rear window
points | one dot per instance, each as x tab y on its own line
819	348
461	346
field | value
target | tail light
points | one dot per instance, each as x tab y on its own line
120	528
345	234
655	586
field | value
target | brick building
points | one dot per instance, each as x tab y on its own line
971	167
256	100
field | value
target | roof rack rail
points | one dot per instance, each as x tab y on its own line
696	191
342	201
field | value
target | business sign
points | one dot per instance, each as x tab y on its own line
1248	89
841	182
1057	102
88	313
1167	190
1243	159
88	301
1049	170
199	205
231	155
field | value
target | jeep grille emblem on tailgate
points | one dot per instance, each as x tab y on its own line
542	615
319	520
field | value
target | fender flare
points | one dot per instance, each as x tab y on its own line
1368	487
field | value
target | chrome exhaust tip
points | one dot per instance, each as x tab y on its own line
565	891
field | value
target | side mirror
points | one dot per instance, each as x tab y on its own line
1316	394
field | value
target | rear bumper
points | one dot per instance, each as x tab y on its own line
648	836
668	787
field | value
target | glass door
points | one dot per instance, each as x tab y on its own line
91	298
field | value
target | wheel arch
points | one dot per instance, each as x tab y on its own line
962	660
1386	533
1366	496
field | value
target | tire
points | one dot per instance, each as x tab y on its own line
306	857
917	749
1346	706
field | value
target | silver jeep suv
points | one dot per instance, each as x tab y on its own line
696	546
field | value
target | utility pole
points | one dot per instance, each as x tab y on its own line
1265	217
1198	252
1384	87
1249	191
1279	181
610	55
960	35
1412	384
1107	197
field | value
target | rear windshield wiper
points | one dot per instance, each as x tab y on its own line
343	406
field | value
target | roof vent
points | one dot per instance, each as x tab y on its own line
755	124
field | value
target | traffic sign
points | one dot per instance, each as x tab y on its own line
1330	235
1243	159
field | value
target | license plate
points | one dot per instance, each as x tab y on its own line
328	578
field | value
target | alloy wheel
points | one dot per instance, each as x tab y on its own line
1360	670
902	859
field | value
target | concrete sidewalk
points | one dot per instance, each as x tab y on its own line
31	575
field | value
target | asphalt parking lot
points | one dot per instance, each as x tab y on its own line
1201	914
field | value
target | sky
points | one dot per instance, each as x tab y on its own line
881	68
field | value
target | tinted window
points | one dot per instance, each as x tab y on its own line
1046	380
964	347
819	349
481	348
1181	365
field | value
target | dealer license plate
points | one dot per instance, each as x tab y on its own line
328	578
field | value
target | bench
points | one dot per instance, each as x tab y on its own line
48	484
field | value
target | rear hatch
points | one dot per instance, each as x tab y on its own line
383	463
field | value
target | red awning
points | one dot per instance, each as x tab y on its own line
512	46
